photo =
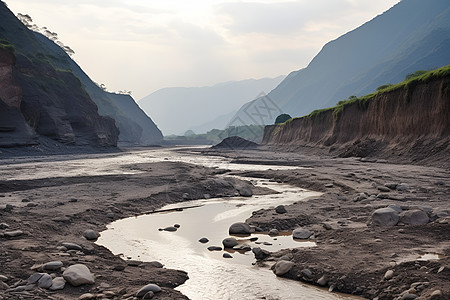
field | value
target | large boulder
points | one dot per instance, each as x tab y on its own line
240	228
78	275
414	217
385	217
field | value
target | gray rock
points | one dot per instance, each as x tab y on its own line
214	248
437	294
3	278
385	217
301	233
306	273
203	240
322	281
110	215
227	255
170	228
240	228
391	185
229	242
3	286
87	296
58	284
245	191
273	232
177	225
14	233
389	275
4	226
91	235
329	185
383	189
45	281
414	217
53	265
242	248
280	209
34	278
72	246
402	187
260	253
396	207
409	296
148	288
282	267
78	275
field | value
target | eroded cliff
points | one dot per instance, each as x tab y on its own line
411	120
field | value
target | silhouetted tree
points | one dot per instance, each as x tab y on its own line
282	118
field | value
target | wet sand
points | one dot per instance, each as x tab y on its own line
353	255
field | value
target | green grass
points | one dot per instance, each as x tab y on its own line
5	44
364	101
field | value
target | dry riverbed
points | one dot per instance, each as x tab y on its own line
38	215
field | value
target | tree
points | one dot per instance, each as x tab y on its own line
384	86
415	74
282	118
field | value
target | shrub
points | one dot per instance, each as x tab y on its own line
282	118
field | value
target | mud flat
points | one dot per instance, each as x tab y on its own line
48	201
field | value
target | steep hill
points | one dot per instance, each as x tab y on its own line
201	108
412	35
409	121
33	48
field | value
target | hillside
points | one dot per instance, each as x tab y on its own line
202	108
412	35
407	122
33	50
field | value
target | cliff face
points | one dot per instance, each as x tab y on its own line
412	121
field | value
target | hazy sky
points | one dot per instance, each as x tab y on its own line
145	45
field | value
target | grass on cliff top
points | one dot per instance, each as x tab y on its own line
363	102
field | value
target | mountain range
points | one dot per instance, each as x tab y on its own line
200	109
412	35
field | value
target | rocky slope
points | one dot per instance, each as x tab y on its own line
58	100
410	121
413	35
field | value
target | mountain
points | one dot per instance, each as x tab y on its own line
413	35
58	100
178	109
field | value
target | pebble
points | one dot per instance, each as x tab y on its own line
402	187
280	209
148	288
329	185
306	273
203	240
58	284
242	248
227	255
301	233
408	296
214	248
4	226
170	228
323	281
177	225
72	246
78	275
34	278
436	294
260	253
53	265
282	267
45	281
229	242
14	233
87	296
156	264
384	189
91	235
389	274
3	278
273	232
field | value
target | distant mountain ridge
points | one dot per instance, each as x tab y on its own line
178	109
128	124
413	35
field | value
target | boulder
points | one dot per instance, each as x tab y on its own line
385	217
273	232
414	217
78	275
240	228
229	242
260	253
148	288
34	278
282	267
245	191
301	233
322	281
